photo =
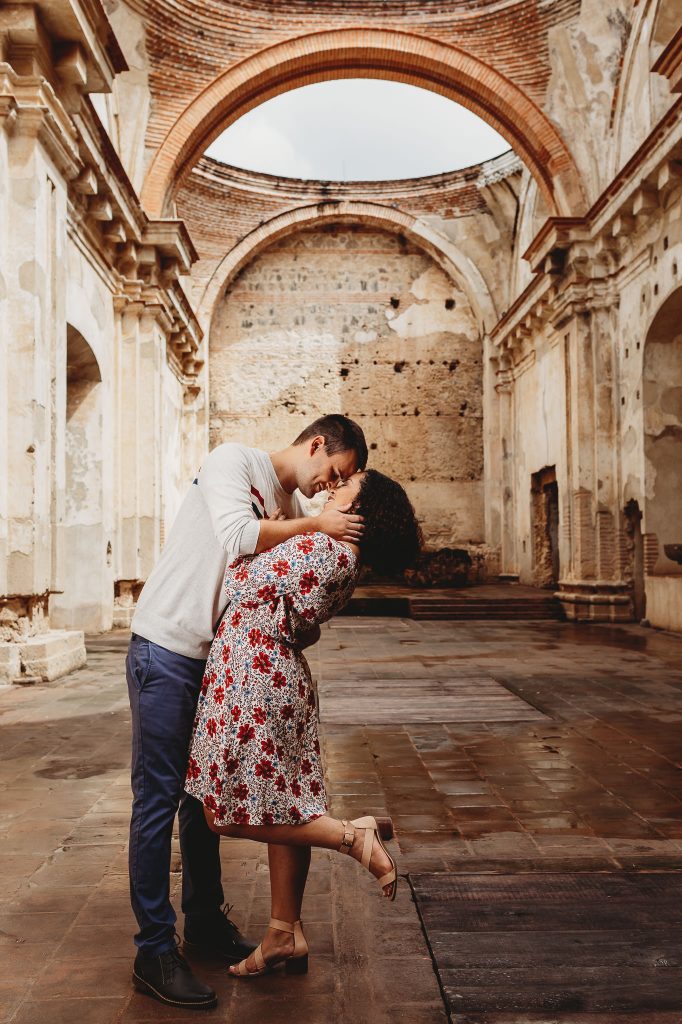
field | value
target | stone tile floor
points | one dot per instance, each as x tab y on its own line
564	759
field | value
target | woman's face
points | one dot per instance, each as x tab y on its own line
344	493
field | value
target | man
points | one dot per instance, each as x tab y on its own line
232	508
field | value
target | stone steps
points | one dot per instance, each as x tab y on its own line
461	608
458	606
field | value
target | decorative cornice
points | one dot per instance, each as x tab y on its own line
669	63
576	259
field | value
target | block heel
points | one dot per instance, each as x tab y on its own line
296	965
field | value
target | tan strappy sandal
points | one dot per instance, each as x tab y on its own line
371	830
295	963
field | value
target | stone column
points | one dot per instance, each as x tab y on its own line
10	665
139	451
592	588
33	325
505	391
492	461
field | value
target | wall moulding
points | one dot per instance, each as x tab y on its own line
583	253
368	53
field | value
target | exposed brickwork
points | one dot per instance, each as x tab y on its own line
358	53
352	320
190	43
220	205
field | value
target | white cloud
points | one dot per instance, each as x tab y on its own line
357	129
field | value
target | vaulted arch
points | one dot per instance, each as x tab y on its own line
368	53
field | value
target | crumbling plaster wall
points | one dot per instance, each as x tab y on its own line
125	111
4	359
84	528
353	320
537	439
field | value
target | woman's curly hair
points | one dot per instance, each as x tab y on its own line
392	538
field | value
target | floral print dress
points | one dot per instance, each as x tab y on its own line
255	754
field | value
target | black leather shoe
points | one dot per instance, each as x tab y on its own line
169	979
217	937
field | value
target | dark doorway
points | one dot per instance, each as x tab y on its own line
545	523
635	566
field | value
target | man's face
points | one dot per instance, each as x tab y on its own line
319	471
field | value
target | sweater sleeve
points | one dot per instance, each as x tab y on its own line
225	483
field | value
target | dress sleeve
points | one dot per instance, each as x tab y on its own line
302	581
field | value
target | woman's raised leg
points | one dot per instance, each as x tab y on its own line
324	832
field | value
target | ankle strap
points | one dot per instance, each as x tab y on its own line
282	926
348	837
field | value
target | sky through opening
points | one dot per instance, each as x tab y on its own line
357	130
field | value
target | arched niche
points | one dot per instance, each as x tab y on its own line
87	595
663	433
358	319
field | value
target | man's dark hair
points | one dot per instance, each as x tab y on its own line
392	538
340	435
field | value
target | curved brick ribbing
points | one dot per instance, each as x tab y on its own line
190	42
377	54
221	204
458	266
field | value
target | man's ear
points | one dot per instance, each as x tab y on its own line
317	443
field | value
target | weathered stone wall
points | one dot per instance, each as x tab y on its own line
354	320
92	319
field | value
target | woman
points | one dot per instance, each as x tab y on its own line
255	754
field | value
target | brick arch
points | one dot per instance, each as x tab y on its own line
455	264
367	53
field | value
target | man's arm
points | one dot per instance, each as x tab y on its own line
341	525
225	482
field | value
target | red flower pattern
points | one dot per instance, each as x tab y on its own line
308	581
262	662
257	679
246	733
264	769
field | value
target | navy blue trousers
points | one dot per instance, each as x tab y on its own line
164	688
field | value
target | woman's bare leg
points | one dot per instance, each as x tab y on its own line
324	832
288	875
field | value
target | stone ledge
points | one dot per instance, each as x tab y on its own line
46	656
601	602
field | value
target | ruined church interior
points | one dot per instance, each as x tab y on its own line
507	331
508	334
